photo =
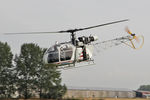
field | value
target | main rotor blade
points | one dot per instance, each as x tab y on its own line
69	31
33	33
80	29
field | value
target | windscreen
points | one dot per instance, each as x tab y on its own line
53	55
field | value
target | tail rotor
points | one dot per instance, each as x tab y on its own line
132	34
136	41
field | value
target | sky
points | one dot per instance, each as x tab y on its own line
117	67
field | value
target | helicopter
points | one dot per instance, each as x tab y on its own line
78	50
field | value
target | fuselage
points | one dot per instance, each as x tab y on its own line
66	53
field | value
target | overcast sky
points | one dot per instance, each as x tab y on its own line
118	67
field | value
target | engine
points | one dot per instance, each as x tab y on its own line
87	40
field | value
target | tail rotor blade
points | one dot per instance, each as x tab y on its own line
128	31
136	38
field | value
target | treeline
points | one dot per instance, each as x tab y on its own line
26	76
144	88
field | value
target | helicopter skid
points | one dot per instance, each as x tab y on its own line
77	65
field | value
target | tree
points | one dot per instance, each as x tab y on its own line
144	88
34	77
6	79
28	64
51	87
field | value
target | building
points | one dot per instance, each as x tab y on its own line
82	92
143	94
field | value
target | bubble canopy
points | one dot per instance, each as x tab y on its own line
59	52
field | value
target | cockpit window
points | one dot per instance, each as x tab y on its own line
52	49
59	52
65	52
53	55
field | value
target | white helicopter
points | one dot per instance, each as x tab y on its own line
68	54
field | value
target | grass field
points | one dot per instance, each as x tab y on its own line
88	99
114	99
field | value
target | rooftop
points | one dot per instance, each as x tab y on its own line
97	88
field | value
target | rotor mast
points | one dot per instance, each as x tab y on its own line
73	35
73	38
